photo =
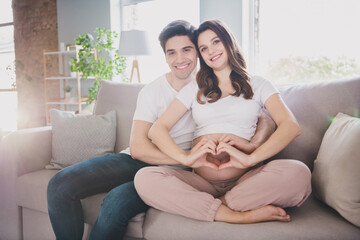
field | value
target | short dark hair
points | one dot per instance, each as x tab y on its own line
177	28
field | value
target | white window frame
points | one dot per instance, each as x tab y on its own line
248	33
6	52
8	90
249	41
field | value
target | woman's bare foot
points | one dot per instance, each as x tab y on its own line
263	214
268	213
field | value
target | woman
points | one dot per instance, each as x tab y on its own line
228	185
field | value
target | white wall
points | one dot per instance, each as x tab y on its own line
228	11
81	16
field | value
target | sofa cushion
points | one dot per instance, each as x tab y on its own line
80	137
313	106
122	98
336	177
31	189
313	220
31	193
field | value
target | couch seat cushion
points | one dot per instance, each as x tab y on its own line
313	220
31	193
31	189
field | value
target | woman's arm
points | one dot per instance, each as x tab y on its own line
159	131
143	149
159	134
288	129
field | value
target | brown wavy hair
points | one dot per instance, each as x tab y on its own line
206	79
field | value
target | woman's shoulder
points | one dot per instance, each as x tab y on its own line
257	80
262	88
187	94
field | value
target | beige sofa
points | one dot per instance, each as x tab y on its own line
23	178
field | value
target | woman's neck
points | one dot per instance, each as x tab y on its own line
224	79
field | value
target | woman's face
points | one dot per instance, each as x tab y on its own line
212	50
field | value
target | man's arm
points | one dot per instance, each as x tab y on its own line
143	149
265	128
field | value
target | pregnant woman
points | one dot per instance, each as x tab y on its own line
227	184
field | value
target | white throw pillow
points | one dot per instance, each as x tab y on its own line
336	175
76	138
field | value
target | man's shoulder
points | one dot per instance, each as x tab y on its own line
154	85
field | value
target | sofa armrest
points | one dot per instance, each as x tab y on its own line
27	150
21	152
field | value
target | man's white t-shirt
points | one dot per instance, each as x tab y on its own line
230	114
153	100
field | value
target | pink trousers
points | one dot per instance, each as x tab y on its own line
283	183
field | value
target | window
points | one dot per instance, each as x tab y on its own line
306	40
152	17
8	95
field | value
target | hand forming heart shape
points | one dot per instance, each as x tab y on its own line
218	159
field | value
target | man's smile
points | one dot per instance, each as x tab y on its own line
183	66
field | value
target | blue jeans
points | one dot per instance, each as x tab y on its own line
113	174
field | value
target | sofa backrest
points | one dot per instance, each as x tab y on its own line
312	104
120	97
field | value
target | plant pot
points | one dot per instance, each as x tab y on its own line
67	95
73	74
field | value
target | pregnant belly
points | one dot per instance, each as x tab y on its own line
218	175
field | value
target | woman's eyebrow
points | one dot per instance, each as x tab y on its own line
210	40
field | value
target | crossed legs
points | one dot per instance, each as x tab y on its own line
259	195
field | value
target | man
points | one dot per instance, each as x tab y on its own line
115	173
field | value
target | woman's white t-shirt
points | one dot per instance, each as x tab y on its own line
230	114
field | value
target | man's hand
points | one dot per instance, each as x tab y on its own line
238	142
238	159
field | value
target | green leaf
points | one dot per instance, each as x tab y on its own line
107	64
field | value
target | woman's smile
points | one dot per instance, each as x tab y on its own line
216	57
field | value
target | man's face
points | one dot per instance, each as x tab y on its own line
181	56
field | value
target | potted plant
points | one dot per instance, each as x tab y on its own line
98	58
67	92
72	71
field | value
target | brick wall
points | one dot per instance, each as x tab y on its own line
35	29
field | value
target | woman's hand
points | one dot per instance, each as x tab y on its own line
197	157
238	159
238	142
